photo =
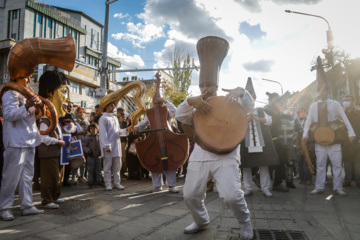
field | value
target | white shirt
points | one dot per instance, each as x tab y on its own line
19	129
185	114
334	111
46	138
109	135
145	122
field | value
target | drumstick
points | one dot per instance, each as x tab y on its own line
307	157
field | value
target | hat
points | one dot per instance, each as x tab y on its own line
272	95
67	118
249	86
322	83
212	51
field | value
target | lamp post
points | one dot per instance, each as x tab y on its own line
282	93
329	35
103	70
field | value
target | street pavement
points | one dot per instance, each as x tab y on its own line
134	213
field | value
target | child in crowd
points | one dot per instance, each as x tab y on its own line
91	148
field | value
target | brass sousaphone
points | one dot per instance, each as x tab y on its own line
23	60
222	130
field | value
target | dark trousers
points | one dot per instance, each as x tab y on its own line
51	177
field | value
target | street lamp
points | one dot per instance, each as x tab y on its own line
103	70
282	93
329	35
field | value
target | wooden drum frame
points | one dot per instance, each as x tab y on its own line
221	130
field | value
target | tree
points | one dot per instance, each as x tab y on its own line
177	90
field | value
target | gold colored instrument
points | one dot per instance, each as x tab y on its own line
116	96
23	60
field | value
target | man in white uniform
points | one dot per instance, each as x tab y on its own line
21	136
110	146
203	165
323	152
156	176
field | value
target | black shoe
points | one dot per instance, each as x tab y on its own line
280	188
290	185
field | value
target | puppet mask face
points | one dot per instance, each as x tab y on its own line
59	98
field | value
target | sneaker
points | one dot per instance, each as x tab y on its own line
316	191
248	192
290	185
82	180
156	189
51	206
267	193
346	184
340	192
193	228
108	187
31	211
6	215
246	231
173	190
59	200
119	186
280	188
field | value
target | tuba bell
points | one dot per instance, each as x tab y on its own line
23	60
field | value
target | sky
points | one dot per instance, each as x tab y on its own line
265	41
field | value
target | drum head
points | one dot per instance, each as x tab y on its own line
222	130
324	135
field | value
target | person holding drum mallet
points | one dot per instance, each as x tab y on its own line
204	163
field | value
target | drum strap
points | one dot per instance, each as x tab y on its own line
322	113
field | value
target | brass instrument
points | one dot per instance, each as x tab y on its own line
23	60
116	96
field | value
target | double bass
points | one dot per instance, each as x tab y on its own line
162	149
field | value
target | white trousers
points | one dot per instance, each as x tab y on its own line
264	178
112	166
334	153
227	179
18	171
157	179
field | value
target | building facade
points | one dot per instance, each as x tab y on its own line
22	19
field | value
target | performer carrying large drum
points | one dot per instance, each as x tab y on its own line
204	162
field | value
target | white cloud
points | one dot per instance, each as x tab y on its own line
127	61
120	15
139	34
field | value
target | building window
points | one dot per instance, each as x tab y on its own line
13	36
92	38
75	88
14	14
40	19
90	92
88	59
50	23
97	43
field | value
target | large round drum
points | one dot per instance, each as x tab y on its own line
221	130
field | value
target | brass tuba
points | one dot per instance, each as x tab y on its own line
23	60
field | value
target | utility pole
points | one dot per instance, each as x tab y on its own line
102	91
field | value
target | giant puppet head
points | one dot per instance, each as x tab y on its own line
54	86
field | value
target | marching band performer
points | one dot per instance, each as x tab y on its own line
203	165
257	149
